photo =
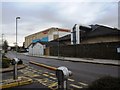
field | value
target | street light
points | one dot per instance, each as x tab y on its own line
58	42
15	60
16	34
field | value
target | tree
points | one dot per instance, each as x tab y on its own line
5	46
23	45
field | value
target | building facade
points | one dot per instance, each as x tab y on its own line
46	35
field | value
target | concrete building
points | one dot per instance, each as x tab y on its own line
46	35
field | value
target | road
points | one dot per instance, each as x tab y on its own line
83	73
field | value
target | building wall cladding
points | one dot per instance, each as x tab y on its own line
101	39
46	33
97	51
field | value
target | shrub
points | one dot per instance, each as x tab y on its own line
3	55
105	83
5	63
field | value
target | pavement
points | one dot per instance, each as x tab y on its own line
86	60
13	83
11	68
8	83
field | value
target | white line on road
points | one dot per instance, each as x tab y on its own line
52	78
71	80
84	84
76	86
45	75
52	74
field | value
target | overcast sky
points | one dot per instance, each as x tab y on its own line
37	16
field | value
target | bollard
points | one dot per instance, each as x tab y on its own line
62	74
15	73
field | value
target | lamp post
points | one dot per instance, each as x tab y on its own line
16	33
2	44
15	60
58	42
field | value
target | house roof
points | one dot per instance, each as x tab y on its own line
48	44
99	30
94	31
31	44
47	30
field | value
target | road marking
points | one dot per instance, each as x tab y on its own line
35	75
52	74
53	84
42	80
52	78
46	72
71	80
39	70
76	86
84	84
49	82
34	70
26	68
46	75
29	69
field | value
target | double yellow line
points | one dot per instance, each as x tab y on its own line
17	83
43	65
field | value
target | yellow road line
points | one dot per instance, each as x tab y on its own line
43	65
53	84
46	72
52	74
18	83
39	70
76	86
45	75
71	80
9	85
52	78
84	84
34	71
35	75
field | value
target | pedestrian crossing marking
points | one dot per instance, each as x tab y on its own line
76	86
53	86
52	74
34	71
84	84
52	77
35	75
50	80
39	70
71	80
46	75
46	72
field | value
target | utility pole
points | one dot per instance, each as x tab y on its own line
16	34
2	39
58	42
15	60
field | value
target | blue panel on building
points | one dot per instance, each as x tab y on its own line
35	40
45	39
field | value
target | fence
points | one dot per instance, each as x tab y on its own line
98	50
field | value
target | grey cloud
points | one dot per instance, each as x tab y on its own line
108	17
38	16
